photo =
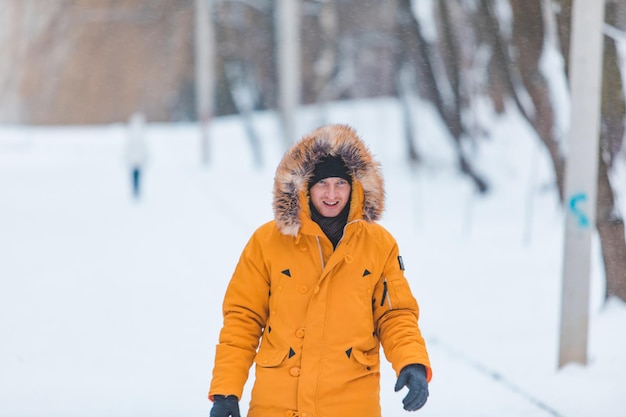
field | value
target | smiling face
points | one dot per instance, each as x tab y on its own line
330	195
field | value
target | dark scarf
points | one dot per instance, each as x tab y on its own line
331	226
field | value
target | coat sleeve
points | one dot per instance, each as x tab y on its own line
245	311
396	316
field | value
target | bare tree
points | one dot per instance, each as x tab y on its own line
520	75
529	43
424	56
410	66
609	220
325	66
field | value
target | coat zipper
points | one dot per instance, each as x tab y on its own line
385	291
344	230
319	247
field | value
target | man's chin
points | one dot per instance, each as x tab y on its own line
330	213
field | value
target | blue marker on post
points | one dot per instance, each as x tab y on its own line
583	220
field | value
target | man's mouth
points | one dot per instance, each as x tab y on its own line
331	204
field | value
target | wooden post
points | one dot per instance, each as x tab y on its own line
288	47
581	176
205	72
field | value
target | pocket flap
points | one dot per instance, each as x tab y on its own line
364	358
269	358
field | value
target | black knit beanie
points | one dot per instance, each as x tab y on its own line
330	166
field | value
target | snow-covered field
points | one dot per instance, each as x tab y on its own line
111	306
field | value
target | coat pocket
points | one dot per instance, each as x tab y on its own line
371	361
274	389
270	358
399	293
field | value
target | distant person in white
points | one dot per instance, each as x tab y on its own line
136	151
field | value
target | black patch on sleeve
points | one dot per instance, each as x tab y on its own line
401	262
287	272
291	352
366	273
349	352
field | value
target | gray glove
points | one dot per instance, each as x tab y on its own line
225	406
414	377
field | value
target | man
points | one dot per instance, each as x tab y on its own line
322	287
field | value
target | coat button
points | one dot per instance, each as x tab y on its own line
303	289
316	289
303	248
300	333
349	259
295	371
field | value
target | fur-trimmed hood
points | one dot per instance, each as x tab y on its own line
296	168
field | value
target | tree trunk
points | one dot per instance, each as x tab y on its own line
528	41
451	57
408	61
419	50
609	221
611	231
326	63
524	73
564	23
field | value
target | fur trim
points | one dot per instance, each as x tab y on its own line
297	165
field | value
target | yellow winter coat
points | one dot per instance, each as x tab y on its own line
320	315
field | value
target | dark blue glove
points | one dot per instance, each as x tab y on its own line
414	377
225	406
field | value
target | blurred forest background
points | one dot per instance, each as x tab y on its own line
67	62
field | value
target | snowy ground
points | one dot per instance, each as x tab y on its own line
111	307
